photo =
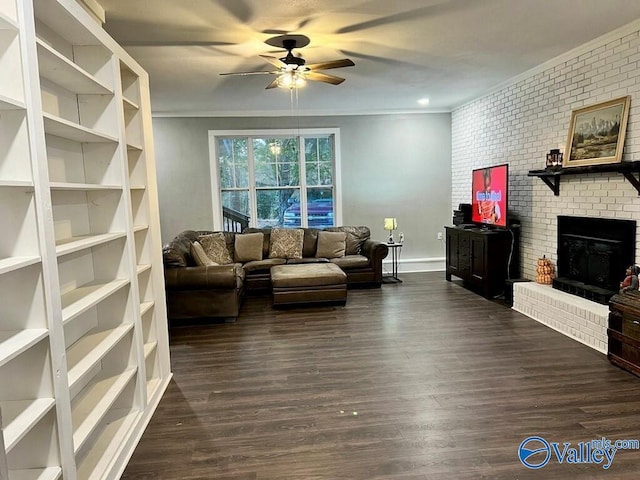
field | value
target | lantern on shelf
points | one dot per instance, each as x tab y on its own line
554	159
545	272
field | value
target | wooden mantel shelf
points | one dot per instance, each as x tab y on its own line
552	177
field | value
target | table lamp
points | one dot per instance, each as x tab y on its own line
390	224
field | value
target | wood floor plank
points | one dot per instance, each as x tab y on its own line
416	381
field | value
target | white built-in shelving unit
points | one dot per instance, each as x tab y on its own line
83	334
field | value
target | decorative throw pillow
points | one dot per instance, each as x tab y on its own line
356	236
200	256
215	247
331	244
248	247
286	243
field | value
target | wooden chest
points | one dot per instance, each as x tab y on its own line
624	331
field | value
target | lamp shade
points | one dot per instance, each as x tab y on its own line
291	79
390	224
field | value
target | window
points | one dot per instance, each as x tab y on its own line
273	179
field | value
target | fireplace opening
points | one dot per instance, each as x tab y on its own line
593	254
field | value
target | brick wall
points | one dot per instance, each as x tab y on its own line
520	122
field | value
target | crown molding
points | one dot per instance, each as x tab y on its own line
287	113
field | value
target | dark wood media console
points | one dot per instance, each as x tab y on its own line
481	258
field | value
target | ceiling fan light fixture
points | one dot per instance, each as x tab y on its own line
291	79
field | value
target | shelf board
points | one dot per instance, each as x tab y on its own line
82	186
20	416
48	473
130	104
145	307
7	103
16	183
81	299
13	343
15	263
107	445
81	242
134	148
140	228
138	187
94	402
551	178
91	349
149	348
59	127
7	23
60	70
143	268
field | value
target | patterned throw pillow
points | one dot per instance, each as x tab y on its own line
286	243
215	247
200	257
331	244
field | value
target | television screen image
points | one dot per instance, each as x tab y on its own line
489	190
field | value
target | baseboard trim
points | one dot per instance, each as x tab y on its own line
416	265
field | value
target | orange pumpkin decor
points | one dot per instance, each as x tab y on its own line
545	271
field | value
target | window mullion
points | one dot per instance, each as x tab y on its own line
253	203
233	164
216	181
302	168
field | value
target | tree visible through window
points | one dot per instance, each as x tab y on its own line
269	181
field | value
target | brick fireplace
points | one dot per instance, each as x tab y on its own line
592	256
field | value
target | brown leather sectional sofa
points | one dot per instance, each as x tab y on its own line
217	291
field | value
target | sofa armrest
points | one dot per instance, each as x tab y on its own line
199	278
375	251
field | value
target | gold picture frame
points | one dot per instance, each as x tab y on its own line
596	133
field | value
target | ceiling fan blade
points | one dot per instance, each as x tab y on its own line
391	61
323	77
273	61
273	84
250	73
345	62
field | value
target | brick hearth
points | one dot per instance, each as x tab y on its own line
575	317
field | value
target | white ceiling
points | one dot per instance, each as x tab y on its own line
450	51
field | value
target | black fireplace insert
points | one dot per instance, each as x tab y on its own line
593	254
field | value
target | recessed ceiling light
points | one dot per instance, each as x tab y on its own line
423	101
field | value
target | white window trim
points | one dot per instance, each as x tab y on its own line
215	175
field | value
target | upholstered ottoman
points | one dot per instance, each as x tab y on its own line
308	283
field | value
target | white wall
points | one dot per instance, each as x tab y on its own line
521	122
392	166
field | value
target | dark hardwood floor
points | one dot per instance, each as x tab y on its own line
421	380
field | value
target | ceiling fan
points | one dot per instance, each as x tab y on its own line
293	72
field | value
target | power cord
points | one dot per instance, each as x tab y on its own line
513	241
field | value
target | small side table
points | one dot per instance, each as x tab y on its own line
395	249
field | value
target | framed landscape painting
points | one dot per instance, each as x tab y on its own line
596	134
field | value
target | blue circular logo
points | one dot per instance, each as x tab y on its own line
534	452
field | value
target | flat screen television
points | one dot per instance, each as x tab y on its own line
489	202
